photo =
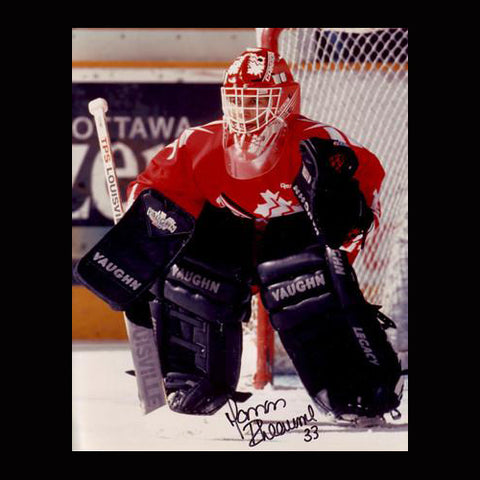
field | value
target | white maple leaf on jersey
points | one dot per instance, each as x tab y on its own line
256	64
275	205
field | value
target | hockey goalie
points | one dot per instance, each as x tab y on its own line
262	200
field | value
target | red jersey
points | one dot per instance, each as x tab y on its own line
191	171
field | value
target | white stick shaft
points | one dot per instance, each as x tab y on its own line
151	390
97	109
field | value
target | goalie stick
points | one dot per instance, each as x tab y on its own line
151	390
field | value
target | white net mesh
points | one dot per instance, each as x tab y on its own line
357	80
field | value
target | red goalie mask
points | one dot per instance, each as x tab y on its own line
258	95
258	88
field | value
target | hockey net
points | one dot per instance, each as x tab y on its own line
355	79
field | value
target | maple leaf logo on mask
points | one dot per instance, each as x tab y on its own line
256	64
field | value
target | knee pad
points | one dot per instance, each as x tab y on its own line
334	337
197	314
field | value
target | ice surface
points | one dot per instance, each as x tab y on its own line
107	417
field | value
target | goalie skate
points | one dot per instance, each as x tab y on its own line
360	421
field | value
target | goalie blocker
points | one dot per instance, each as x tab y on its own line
124	264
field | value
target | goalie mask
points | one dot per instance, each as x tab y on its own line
259	94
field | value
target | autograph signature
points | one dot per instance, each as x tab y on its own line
247	421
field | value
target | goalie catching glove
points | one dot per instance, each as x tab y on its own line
328	191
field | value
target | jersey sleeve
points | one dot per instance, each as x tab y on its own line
370	175
170	172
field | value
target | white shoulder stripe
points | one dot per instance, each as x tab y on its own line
201	129
313	122
315	126
335	134
204	127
